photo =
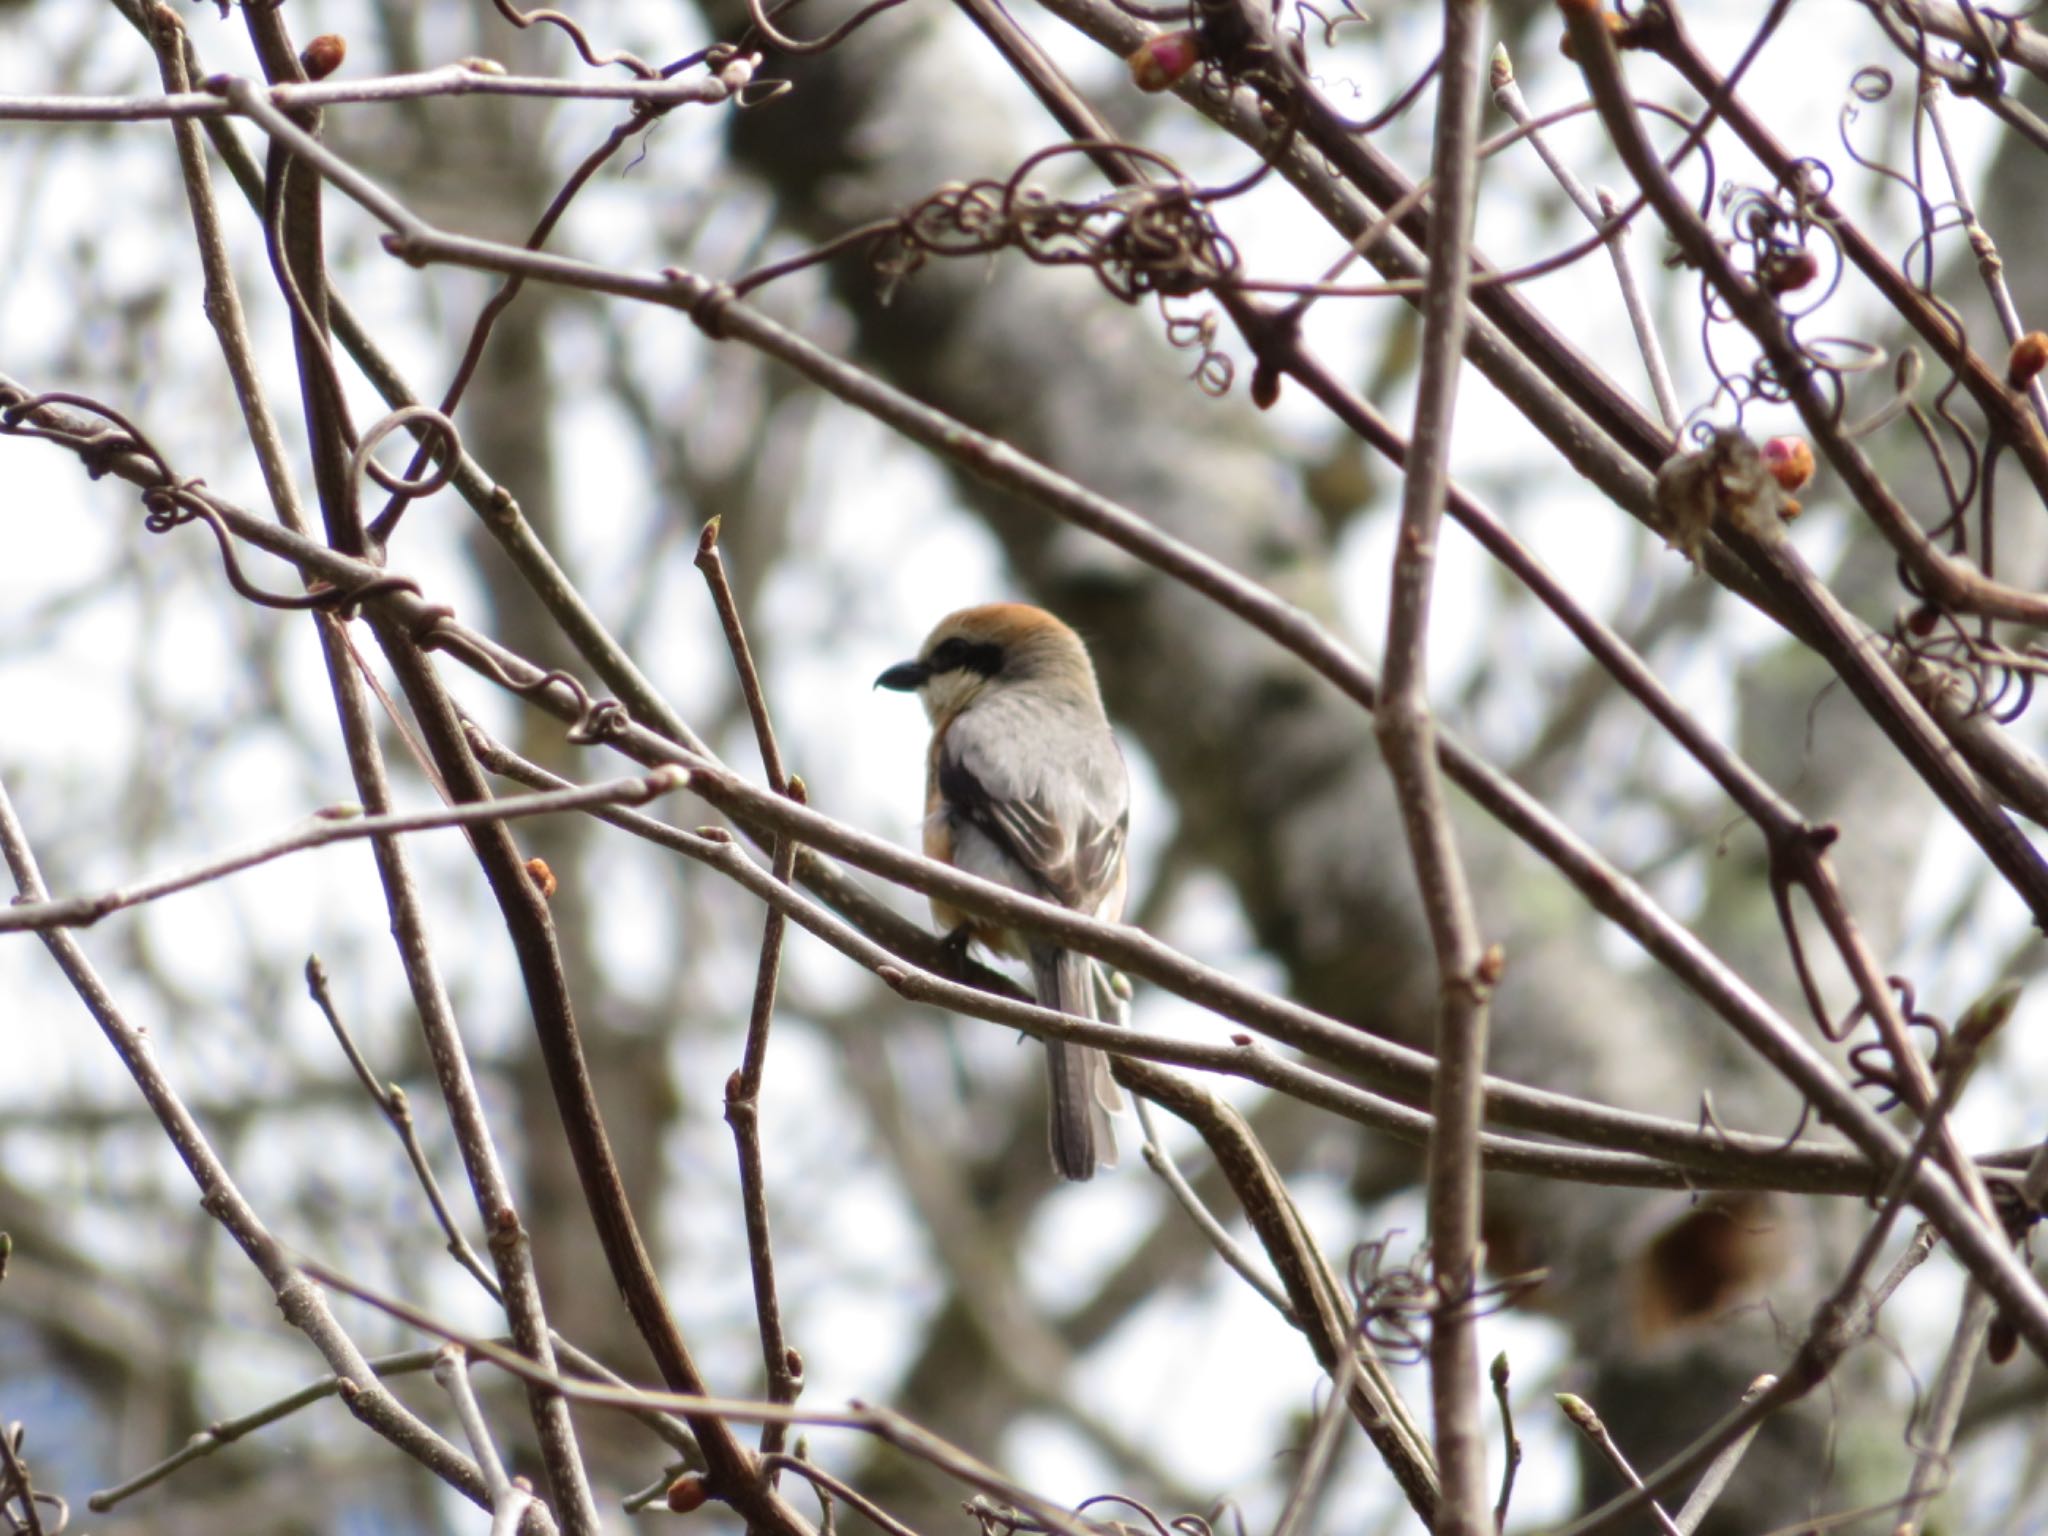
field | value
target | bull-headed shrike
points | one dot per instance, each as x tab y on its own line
1024	786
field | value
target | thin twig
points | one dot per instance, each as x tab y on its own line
781	1363
1590	1424
1707	1491
301	1302
1621	899
14	1483
830	1488
1934	1430
1228	1248
222	297
531	929
1965	795
1405	728
1323	1314
392	1102
1511	1443
508	1500
222	1433
1307	1482
450	80
1990	265
344	824
886	1425
1600	209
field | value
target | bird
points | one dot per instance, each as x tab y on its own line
1025	785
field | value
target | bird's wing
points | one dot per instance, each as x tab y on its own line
1063	826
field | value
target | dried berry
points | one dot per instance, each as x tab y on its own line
1787	271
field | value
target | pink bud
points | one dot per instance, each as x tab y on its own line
1789	460
1164	60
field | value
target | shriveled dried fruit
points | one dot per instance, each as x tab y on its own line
1787	271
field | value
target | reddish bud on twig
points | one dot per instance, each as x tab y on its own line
1265	387
2003	1341
538	872
2028	357
1615	24
688	1492
1790	461
1162	62
1492	965
323	56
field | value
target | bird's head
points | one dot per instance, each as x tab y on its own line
998	645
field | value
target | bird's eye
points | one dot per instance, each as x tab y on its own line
957	654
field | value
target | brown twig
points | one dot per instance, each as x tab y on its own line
782	1364
1594	1428
1405	727
335	825
886	1425
1511	1443
1320	1309
1613	894
300	1301
1768	551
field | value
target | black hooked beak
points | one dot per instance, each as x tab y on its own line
904	677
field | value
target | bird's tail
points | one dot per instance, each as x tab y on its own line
1083	1093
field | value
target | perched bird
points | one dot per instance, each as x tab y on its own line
1024	786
